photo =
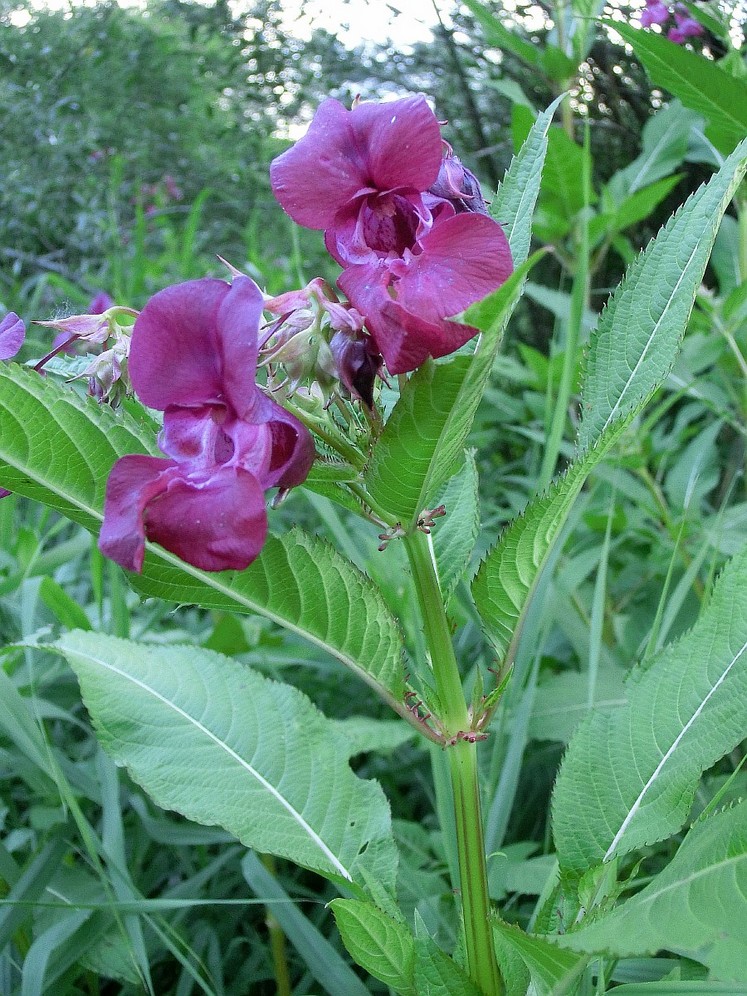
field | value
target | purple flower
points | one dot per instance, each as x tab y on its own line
687	27
654	12
407	224
357	363
359	176
12	334
194	356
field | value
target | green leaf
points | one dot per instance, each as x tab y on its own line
454	536
516	197
322	958
562	180
633	209
65	608
640	330
379	944
629	776
303	584
223	745
508	577
364	734
58	449
679	988
438	975
553	972
694	907
423	440
664	140
699	83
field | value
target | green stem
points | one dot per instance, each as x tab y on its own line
277	940
454	717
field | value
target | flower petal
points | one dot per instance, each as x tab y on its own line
12	334
346	154
134	480
239	317
174	357
401	143
463	259
404	338
292	451
322	171
196	343
215	521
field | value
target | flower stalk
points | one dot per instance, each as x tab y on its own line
455	719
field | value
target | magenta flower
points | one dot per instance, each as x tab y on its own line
12	334
407	224
654	12
194	356
359	176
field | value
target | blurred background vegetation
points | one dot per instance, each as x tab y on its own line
127	128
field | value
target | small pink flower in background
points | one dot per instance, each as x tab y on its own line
173	189
193	356
654	12
407	223
687	27
12	335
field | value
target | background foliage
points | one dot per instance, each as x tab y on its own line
135	147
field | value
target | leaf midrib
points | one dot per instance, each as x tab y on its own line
265	784
630	816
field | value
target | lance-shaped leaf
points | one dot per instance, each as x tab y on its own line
424	438
699	83
629	776
380	944
694	907
58	449
223	745
631	353
509	575
640	330
553	972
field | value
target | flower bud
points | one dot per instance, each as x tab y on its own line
460	186
357	363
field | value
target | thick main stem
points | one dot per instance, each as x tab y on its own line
454	716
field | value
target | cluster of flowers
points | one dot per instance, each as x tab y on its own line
98	327
403	218
408	225
682	25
